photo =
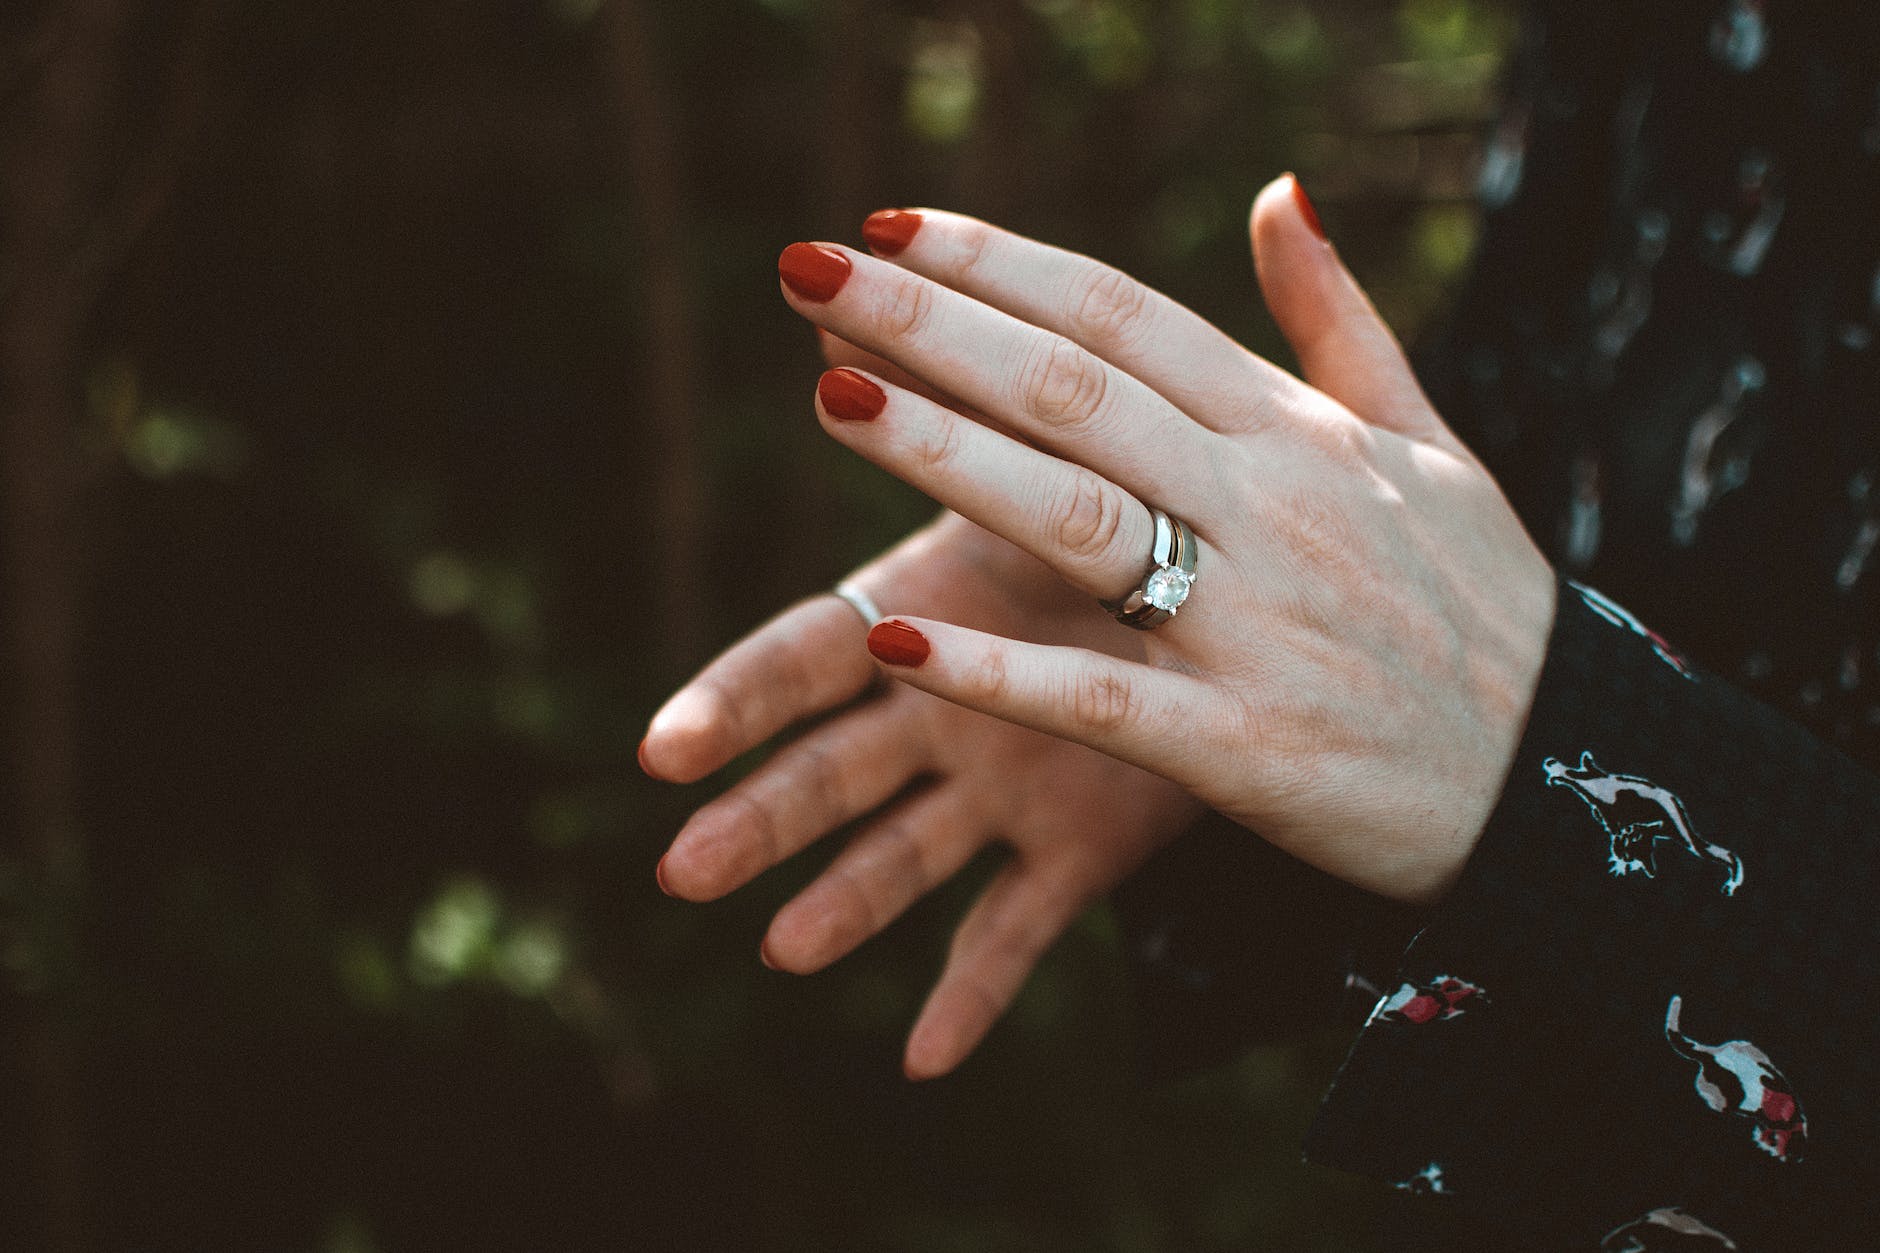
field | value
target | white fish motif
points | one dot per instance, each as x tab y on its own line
1664	1229
1636	814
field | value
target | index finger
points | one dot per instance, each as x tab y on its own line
805	661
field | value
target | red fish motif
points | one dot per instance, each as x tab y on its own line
1738	1078
1441	998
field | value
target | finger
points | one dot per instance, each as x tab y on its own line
1345	349
1018	917
894	861
799	664
1083	526
1034	381
840	353
1140	331
1134	712
832	775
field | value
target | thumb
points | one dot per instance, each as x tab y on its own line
1344	348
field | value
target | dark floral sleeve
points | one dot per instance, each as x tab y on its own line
1649	1014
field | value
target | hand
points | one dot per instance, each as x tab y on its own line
1077	822
1352	673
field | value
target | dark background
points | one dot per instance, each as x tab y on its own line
398	404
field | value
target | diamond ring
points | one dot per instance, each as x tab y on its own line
1171	575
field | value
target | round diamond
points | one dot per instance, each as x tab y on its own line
1167	588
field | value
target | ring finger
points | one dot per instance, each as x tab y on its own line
1093	533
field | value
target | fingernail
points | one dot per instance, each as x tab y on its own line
850	397
897	643
659	874
813	271
1306	211
641	754
763	955
890	230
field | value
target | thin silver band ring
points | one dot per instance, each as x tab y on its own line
859	601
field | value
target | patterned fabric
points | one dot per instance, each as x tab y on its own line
1669	935
1666	353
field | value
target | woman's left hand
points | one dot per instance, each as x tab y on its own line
1352	671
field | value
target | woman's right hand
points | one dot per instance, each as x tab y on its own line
932	782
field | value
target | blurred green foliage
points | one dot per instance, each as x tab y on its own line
372	957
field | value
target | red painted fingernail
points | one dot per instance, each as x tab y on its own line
1306	211
849	396
813	271
890	230
897	643
641	754
659	873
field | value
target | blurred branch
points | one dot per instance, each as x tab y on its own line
149	183
59	251
648	139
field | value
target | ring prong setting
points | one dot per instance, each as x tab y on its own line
1171	576
1167	588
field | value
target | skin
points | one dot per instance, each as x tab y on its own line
1349	678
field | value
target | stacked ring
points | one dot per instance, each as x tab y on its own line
1170	577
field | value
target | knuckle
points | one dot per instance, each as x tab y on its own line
974	245
1109	308
913	311
1103	702
1064	385
754	816
732	712
820	778
860	916
1318	533
1343	442
991	681
939	446
903	858
1090	520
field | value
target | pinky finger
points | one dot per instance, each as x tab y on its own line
1134	712
999	942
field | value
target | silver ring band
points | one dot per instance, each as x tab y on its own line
1166	584
859	601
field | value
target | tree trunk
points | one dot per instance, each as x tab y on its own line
67	227
672	357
